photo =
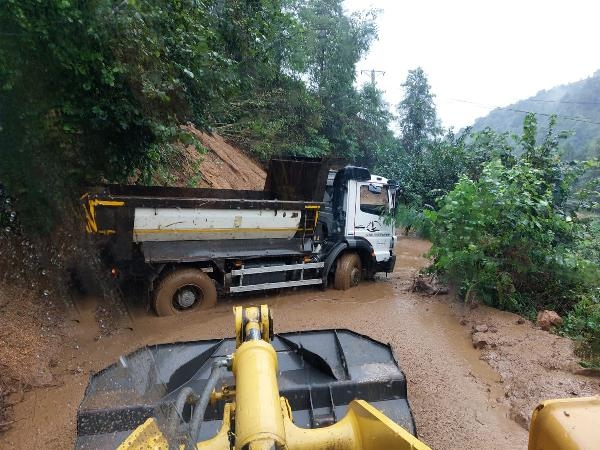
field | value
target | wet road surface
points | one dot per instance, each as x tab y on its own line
452	392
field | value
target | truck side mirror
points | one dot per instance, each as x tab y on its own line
393	188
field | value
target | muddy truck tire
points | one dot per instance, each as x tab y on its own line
184	290
348	271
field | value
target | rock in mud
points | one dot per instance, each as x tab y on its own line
479	340
481	328
428	286
547	319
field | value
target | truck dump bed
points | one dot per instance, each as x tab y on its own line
177	224
226	221
154	213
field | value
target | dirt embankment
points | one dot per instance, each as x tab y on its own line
532	364
218	166
462	397
226	167
33	301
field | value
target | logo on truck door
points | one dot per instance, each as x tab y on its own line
373	226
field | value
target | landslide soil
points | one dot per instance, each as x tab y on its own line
225	166
219	166
461	397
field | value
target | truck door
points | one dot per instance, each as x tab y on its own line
372	202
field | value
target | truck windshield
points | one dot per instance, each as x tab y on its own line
373	198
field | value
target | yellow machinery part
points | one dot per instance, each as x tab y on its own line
363	427
221	440
90	213
258	414
260	419
566	424
252	318
147	436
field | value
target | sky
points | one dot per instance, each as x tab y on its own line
481	54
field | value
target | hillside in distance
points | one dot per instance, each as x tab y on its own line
577	106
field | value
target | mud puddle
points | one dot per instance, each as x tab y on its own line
454	394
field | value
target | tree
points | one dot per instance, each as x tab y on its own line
374	137
333	44
97	90
269	109
93	90
425	165
417	114
298	94
506	238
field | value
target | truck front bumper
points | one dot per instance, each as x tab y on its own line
386	266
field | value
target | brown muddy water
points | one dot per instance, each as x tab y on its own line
458	400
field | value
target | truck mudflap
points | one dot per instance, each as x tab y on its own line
320	373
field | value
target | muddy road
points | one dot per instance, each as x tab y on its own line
461	397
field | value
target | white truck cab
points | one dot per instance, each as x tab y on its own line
368	204
358	213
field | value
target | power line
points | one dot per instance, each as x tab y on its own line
568	102
574	119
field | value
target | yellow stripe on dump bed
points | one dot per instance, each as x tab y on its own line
90	214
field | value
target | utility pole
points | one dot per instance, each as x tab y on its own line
373	72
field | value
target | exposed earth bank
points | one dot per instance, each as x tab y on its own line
462	397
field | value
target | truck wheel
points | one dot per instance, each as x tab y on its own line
184	290
347	272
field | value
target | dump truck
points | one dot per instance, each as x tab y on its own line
326	389
311	225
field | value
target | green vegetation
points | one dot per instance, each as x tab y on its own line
96	91
583	321
90	91
505	238
502	213
511	237
417	114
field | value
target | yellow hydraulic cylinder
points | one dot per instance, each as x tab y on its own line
258	414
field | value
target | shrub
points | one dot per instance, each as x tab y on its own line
583	324
501	239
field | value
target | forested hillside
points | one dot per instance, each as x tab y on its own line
576	105
97	90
